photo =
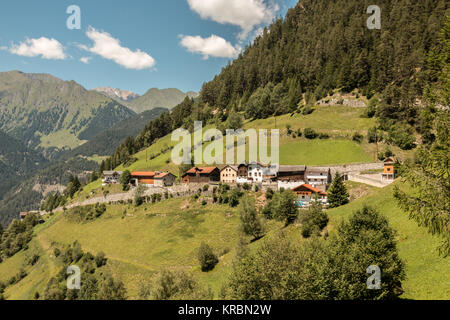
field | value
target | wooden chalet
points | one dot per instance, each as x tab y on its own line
202	175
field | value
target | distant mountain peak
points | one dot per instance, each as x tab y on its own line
115	93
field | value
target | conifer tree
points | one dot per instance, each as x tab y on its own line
338	194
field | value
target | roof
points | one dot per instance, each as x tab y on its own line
144	174
291	168
389	160
162	175
112	172
202	170
235	168
257	163
312	189
317	171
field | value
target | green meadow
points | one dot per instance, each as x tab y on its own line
140	242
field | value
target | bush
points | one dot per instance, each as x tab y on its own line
313	220
282	207
179	286
139	195
310	134
246	186
307	110
56	252
33	259
251	224
357	137
374	135
100	259
207	258
402	137
324	136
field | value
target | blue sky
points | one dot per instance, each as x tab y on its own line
163	43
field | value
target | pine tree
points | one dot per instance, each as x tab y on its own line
338	194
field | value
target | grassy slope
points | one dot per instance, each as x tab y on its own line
165	236
339	122
425	269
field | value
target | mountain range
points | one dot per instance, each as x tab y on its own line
153	98
118	94
50	114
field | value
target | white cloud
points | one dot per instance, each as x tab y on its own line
110	48
44	47
213	46
244	13
86	60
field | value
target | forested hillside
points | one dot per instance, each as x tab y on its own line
319	48
104	143
51	114
16	162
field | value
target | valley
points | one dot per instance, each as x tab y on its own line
90	178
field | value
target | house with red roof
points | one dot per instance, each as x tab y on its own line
307	193
201	175
146	178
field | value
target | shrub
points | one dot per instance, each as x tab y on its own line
56	252
307	110
251	224
313	220
100	259
207	258
402	137
310	134
374	135
282	207
357	137
246	186
33	259
179	286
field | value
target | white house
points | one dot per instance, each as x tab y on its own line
318	177
111	177
256	171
